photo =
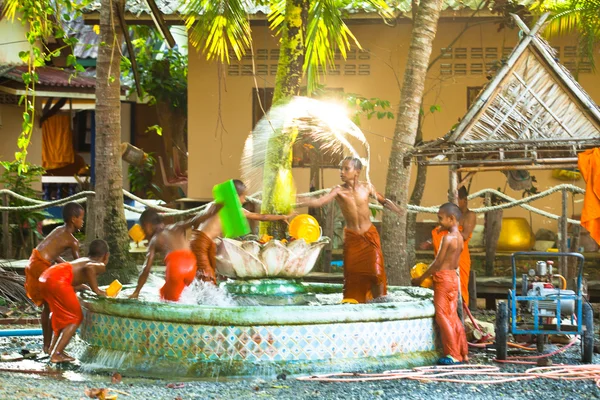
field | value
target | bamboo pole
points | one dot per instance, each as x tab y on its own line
516	167
329	232
453	182
563	235
496	162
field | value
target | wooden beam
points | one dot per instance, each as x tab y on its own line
160	23
516	167
134	68
47	113
6	233
563	227
453	182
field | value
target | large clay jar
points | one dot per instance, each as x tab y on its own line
515	235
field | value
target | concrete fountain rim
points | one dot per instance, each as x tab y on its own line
421	307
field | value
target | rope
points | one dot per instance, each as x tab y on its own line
81	197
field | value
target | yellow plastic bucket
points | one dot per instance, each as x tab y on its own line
136	233
305	226
114	288
419	270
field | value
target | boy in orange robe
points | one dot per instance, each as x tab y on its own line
179	259
45	254
364	270
203	236
466	225
58	285
589	165
445	287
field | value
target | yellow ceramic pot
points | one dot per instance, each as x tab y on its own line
417	271
515	235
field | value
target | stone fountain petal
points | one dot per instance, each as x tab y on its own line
295	265
274	256
244	263
252	247
312	255
223	263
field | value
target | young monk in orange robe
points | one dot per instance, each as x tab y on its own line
364	271
589	165
46	253
466	225
179	259
445	287
58	285
203	236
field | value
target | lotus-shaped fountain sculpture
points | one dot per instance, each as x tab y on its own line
253	260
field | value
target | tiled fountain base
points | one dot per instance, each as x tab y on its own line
196	348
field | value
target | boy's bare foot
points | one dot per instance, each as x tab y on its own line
46	350
61	358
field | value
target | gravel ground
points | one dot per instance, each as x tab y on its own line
68	383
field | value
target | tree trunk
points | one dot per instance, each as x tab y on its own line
278	165
106	216
407	119
415	199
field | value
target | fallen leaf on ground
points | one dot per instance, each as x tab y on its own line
175	385
97	393
116	378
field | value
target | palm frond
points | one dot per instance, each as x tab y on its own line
218	26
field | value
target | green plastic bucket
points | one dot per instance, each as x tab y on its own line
232	216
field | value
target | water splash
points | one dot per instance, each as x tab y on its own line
324	123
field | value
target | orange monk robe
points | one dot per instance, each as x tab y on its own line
464	262
34	269
589	166
363	265
181	271
452	332
205	250
58	292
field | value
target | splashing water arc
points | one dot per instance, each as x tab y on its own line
321	122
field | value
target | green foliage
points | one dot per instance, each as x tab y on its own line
367	107
43	18
163	74
221	27
19	180
141	178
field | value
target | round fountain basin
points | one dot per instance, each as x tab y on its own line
168	340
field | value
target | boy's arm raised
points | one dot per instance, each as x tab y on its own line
321	201
200	218
469	225
386	203
266	217
146	271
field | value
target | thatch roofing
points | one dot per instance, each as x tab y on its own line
533	102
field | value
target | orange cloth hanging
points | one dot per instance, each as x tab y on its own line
363	265
57	142
181	271
464	262
205	250
589	166
452	332
34	269
58	292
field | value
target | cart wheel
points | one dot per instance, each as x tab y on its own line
540	341
501	330
587	341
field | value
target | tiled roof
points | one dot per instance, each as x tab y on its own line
49	76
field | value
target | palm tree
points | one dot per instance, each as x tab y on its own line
580	17
398	178
311	32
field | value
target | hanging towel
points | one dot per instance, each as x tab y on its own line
589	165
57	142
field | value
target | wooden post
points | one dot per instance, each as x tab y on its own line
453	182
493	225
6	234
562	225
472	291
328	231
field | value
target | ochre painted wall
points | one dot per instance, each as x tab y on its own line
220	110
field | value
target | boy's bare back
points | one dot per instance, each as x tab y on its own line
59	240
171	238
85	271
450	249
211	227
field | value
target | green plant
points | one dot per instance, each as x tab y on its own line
141	178
23	223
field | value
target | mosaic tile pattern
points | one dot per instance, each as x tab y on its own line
259	343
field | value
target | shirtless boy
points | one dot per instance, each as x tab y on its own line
364	271
58	285
203	236
445	287
45	254
466	224
171	241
